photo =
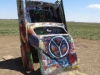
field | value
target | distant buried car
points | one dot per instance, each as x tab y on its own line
44	37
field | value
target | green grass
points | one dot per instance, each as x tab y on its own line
84	30
9	27
76	29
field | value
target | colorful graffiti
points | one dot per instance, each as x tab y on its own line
23	36
39	32
40	16
57	53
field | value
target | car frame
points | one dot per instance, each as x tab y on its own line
44	37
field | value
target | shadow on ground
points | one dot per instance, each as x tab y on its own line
16	64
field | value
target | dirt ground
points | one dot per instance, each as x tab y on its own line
88	52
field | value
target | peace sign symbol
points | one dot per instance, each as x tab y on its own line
58	47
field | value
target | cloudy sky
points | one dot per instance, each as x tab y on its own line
75	10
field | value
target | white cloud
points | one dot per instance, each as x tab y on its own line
94	6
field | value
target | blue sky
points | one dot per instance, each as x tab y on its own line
75	10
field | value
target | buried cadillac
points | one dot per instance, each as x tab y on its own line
55	46
44	37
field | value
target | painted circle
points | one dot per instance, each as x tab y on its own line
59	46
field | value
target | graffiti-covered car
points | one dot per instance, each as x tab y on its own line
54	44
44	37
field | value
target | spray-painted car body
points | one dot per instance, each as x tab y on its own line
44	36
55	46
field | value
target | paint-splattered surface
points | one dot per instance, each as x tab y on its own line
88	52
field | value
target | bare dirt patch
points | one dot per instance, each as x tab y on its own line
88	52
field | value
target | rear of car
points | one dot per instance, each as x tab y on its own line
55	46
44	37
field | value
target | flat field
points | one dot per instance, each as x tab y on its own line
76	29
9	27
84	30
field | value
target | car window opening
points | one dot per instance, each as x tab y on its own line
43	13
49	30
